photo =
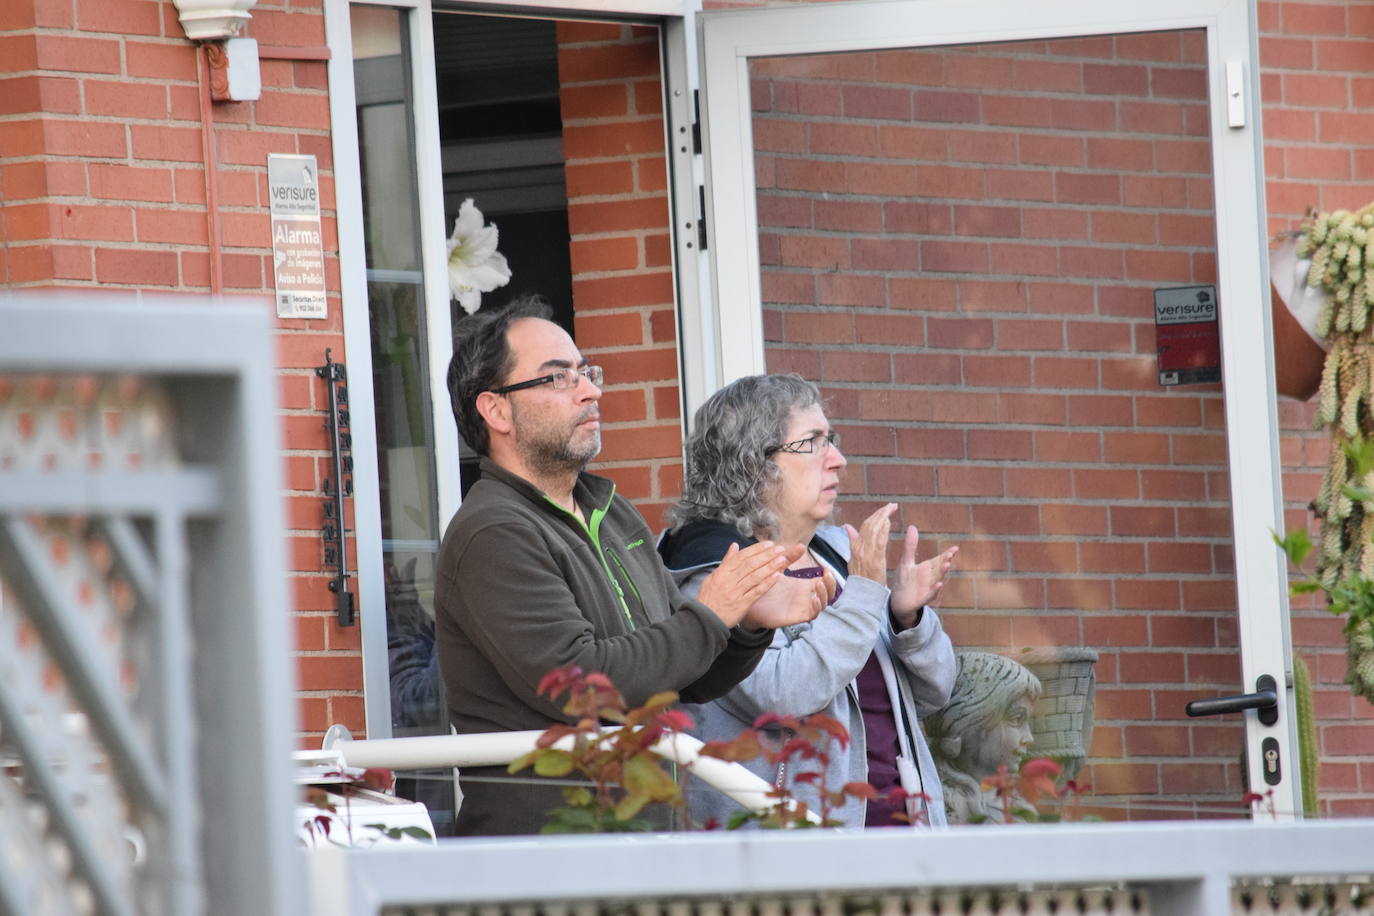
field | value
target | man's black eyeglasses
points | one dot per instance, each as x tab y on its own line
808	446
560	379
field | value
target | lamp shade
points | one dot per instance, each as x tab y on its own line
213	20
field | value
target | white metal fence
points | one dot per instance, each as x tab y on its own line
1187	869
145	723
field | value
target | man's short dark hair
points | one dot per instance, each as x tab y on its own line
481	361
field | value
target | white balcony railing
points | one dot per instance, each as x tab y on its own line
1190	869
142	603
1175	869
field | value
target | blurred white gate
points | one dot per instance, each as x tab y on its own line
144	726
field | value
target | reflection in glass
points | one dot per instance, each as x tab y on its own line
405	433
963	245
409	530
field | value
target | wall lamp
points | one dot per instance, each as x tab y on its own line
213	20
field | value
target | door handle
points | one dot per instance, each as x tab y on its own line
1265	701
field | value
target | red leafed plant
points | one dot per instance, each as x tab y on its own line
1021	793
620	774
1260	802
804	750
624	774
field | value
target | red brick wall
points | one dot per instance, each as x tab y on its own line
613	139
1317	81
103	181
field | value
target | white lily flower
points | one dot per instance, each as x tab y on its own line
474	265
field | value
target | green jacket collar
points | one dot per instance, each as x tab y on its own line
590	491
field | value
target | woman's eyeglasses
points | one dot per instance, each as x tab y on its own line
808	446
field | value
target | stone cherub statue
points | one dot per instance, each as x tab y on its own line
985	724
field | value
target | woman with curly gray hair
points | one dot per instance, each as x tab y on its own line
763	462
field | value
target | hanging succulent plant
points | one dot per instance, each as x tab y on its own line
1340	245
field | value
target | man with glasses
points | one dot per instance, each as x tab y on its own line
544	566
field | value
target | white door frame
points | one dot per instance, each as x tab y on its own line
367	509
731	38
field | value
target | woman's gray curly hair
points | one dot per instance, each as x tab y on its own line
729	478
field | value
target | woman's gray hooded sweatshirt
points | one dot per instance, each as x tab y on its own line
810	668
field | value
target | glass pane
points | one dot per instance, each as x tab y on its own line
501	138
409	529
396	303
967	247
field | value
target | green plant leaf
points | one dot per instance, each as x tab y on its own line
738	819
570	820
523	761
552	762
1297	545
632	825
642	775
1359	454
1305	587
577	797
1358	493
630	805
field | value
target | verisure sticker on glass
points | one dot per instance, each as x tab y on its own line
1186	335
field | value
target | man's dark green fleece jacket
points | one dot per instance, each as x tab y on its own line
524	587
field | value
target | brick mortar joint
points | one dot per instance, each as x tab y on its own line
611	159
648	198
613	312
634	114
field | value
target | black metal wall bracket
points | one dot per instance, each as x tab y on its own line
333	530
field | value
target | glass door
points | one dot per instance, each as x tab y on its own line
1001	244
400	328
